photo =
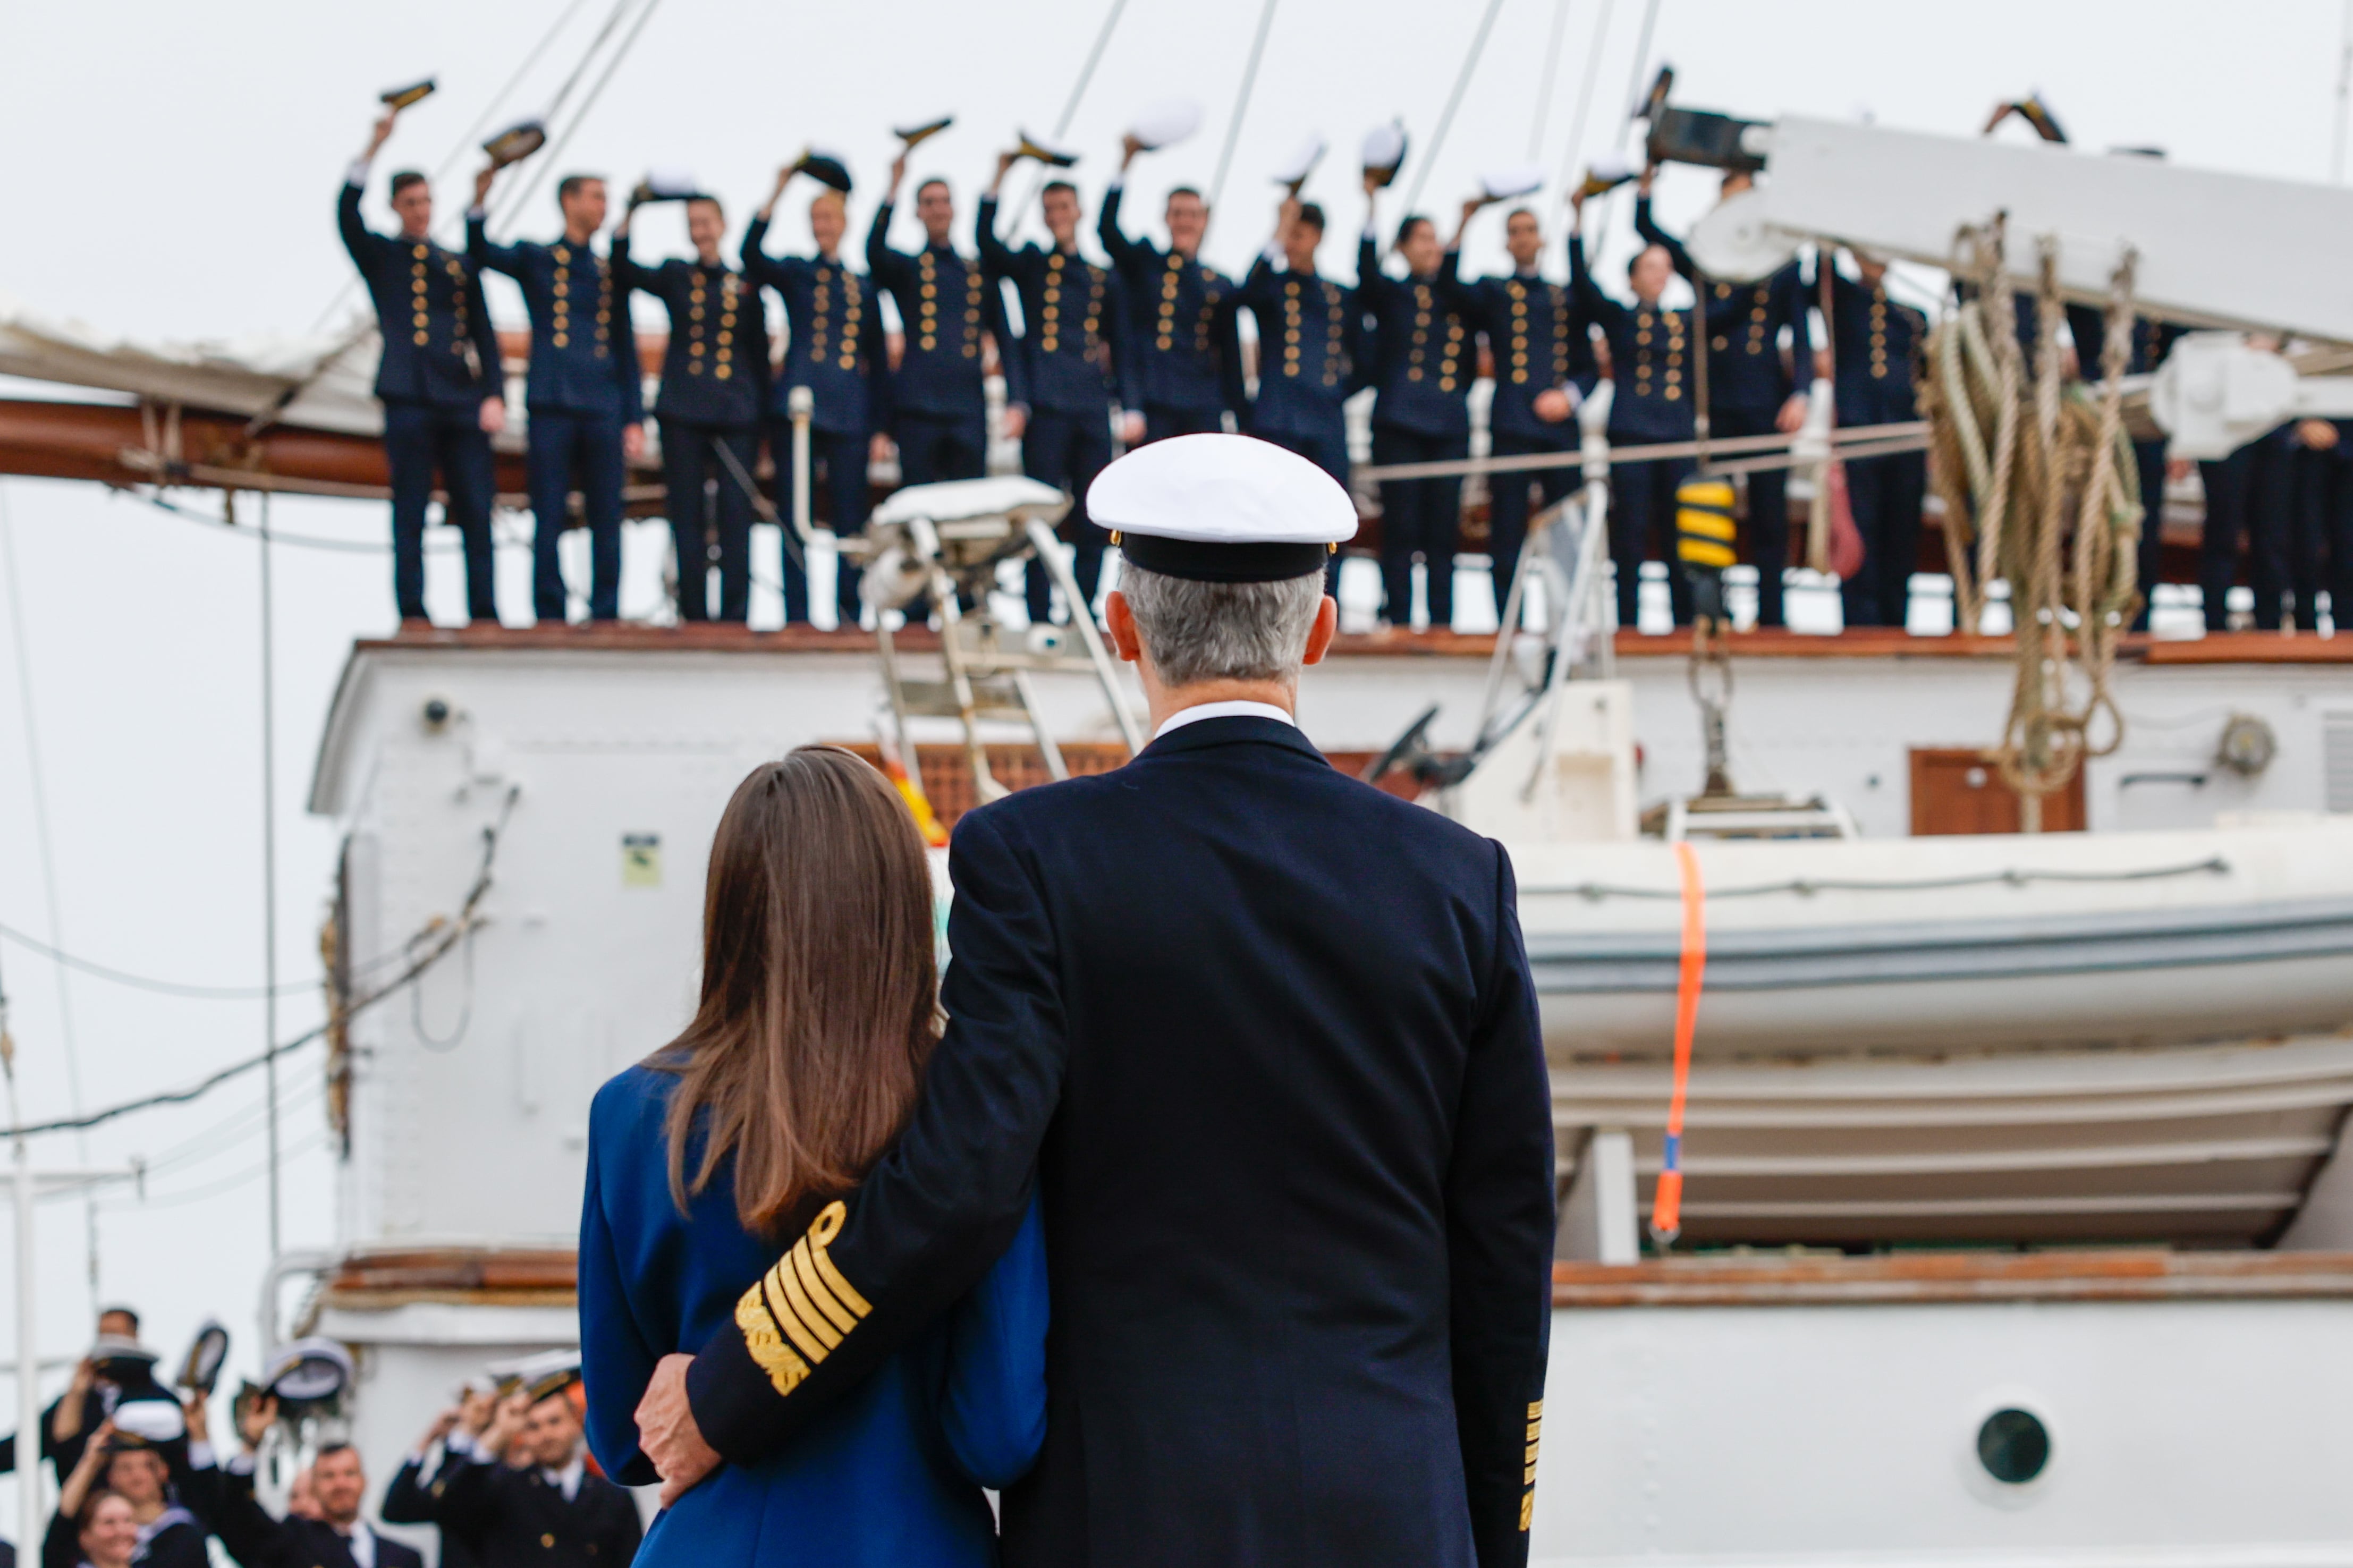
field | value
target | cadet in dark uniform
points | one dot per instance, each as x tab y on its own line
1650	405
1190	359
554	1509
1875	344
2249	495
1078	360
1751	390
1295	1165
1425	359
1312	348
586	405
2151	342
222	1496
837	351
1544	369
939	410
438	378
714	386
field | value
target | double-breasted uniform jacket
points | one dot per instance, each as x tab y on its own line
715	370
584	355
1188	352
1876	345
411	1497
1312	351
1077	346
522	1516
1536	334
224	1500
438	344
945	305
1650	359
1424	352
1265	1041
1743	322
836	348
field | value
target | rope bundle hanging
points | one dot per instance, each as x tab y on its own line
2040	490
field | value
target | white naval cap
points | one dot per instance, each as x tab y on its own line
1506	181
1384	150
1167	122
1221	509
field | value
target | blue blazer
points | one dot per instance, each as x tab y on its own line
892	1474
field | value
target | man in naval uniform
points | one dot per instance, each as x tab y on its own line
1264	1042
1312	350
336	1537
939	409
1188	356
437	377
586	405
1651	405
1544	369
834	321
1079	361
552	1509
713	387
1875	342
1750	390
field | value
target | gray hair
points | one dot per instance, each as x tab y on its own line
1222	631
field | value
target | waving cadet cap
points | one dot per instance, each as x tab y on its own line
1167	122
1223	509
916	136
516	143
308	1371
1293	171
402	97
1607	172
665	186
1383	152
1050	153
548	1373
149	1422
828	169
200	1368
1506	181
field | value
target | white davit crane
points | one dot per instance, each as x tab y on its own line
2210	250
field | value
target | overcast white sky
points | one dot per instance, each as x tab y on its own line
170	171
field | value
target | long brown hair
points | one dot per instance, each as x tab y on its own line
819	988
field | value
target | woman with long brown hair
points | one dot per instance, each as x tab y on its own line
819	1007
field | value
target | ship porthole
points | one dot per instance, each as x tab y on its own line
2013	1445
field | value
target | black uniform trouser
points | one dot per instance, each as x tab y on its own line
421	439
569	447
1069	447
1163	420
1768	509
2246	493
935	446
1328	450
704	529
1418	517
2148	457
2325	535
1641	519
1883	495
1508	496
837	477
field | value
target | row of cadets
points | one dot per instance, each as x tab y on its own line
1875	347
1543	364
1077	356
1651	403
1424	359
946	310
839	352
583	392
1750	390
1188	356
438	378
714	392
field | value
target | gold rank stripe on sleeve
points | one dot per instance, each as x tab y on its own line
1528	1480
803	1299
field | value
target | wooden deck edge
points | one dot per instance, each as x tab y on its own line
1930	1278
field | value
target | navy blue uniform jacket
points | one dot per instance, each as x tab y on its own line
1312	352
1744	328
945	305
1077	353
584	356
1270	1035
888	1476
1190	357
438	344
1649	360
715	370
833	317
1874	344
1537	334
1427	357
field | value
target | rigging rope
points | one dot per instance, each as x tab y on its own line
1585	96
547	158
1453	102
1242	106
2051	503
1551	79
1070	111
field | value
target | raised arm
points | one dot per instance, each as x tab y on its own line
1647	227
628	276
891	269
1600	307
995	256
1500	1226
1129	255
356	238
943	1203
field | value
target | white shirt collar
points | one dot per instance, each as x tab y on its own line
1200	710
362	1543
568	1479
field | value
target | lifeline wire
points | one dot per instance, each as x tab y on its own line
1807	886
1242	106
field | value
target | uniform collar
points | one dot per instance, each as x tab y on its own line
1233	730
1200	710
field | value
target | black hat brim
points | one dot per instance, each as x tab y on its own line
1200	560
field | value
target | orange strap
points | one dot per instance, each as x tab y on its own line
1667	1207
